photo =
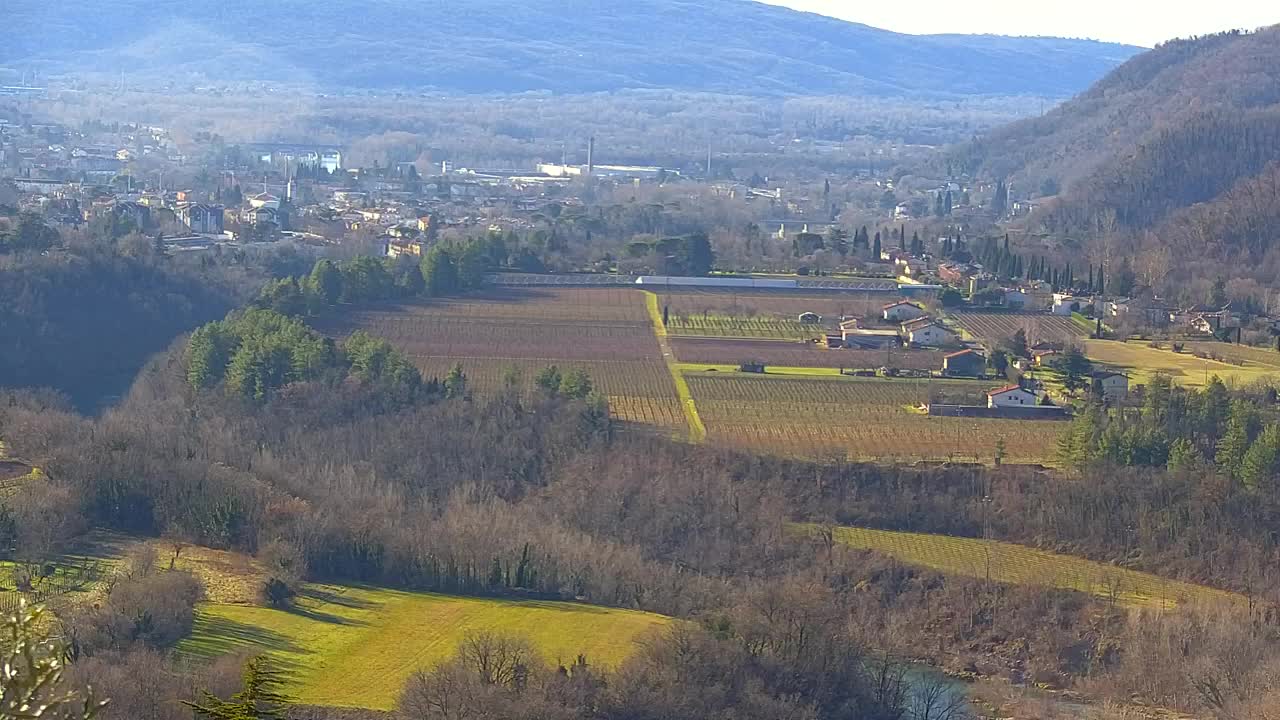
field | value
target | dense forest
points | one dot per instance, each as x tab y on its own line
83	317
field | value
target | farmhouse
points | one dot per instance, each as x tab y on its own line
1011	396
1110	385
902	311
965	363
930	334
868	339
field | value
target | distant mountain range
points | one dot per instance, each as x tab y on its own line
561	46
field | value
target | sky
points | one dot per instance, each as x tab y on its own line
1136	22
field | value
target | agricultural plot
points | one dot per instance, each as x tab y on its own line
732	351
735	326
858	419
775	305
356	647
1140	362
1020	565
606	332
1040	327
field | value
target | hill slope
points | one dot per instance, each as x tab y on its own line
356	647
1171	128
567	46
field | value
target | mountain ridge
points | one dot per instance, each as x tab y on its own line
569	46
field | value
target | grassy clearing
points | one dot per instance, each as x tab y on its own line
355	647
1020	565
730	326
1141	362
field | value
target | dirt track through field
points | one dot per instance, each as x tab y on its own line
697	431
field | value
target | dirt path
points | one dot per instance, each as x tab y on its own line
697	431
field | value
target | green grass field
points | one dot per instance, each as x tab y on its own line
741	327
1141	363
1020	565
355	647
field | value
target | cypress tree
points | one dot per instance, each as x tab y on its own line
1091	276
875	251
1101	285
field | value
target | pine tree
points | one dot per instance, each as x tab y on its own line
259	699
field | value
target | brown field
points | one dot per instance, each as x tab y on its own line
606	332
776	305
858	420
731	351
1040	327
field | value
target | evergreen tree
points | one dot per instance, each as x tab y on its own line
1262	460
1102	286
875	249
455	383
259	699
439	273
1183	455
1235	442
326	280
1000	204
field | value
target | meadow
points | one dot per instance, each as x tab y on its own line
356	646
1141	362
1020	565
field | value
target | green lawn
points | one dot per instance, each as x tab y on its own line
355	647
1141	362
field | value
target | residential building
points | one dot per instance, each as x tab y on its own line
201	218
931	335
1011	396
965	363
1112	386
902	311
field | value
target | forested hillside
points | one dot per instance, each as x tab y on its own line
1171	153
565	46
83	319
1163	91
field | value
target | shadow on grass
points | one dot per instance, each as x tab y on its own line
329	597
321	616
214	636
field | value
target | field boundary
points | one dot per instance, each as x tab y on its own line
697	431
1014	564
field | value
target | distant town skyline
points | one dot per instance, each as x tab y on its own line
1135	22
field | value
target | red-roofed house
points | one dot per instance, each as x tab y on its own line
902	311
1011	396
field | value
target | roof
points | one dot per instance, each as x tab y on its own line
1008	389
918	327
966	351
1104	374
901	302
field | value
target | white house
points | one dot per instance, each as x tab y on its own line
902	311
931	335
1067	304
1110	385
1011	396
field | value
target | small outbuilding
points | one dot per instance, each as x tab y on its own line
1011	396
965	363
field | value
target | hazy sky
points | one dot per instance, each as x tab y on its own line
1138	22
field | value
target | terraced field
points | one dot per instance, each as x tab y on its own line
355	647
1020	565
858	419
